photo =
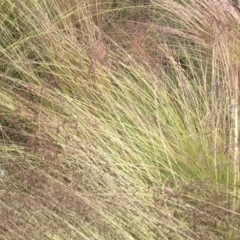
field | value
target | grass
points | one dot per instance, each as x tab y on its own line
119	120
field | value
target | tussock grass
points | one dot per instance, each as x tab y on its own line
119	120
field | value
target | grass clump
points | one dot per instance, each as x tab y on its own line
119	120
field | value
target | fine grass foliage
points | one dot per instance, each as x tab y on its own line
119	119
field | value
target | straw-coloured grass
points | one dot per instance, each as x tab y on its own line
119	120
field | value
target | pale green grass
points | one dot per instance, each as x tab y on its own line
119	121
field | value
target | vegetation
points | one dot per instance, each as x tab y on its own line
119	120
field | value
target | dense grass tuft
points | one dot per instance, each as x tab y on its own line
119	120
